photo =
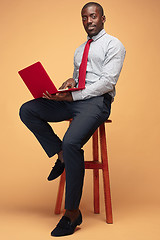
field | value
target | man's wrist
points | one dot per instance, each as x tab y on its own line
71	97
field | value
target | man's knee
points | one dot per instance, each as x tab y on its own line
24	112
69	142
72	151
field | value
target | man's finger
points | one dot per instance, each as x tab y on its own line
48	94
45	96
63	86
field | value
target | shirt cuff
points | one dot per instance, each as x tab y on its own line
77	95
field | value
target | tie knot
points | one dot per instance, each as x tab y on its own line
90	40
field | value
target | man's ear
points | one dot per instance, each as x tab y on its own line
103	19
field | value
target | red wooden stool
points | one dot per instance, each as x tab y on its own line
95	165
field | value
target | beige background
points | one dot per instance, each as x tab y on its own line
49	31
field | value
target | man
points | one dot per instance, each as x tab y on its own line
88	108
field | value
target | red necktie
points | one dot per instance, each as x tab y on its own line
83	66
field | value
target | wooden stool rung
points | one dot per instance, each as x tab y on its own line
93	165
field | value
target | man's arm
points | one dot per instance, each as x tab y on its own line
110	72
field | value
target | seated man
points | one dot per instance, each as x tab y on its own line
88	108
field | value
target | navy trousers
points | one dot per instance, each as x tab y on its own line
87	116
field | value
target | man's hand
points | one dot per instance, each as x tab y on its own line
70	83
67	96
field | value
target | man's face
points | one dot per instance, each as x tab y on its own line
92	20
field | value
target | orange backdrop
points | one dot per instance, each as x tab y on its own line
49	31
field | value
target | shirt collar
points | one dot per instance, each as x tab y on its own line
99	35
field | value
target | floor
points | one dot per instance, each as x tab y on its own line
130	223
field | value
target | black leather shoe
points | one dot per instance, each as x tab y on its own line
66	227
56	171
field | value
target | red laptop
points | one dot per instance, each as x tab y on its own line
38	82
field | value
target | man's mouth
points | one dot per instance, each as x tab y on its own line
91	27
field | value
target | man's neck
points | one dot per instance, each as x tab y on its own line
98	35
95	34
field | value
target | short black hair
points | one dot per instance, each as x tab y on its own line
95	4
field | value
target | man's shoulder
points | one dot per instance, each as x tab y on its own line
112	41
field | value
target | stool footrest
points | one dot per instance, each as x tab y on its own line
93	165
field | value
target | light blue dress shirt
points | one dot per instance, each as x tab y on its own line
105	61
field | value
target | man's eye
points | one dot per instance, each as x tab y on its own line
94	16
84	18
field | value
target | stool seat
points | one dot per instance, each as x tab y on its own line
95	164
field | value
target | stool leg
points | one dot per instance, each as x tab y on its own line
60	193
95	172
107	194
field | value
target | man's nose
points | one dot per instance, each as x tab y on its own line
89	20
